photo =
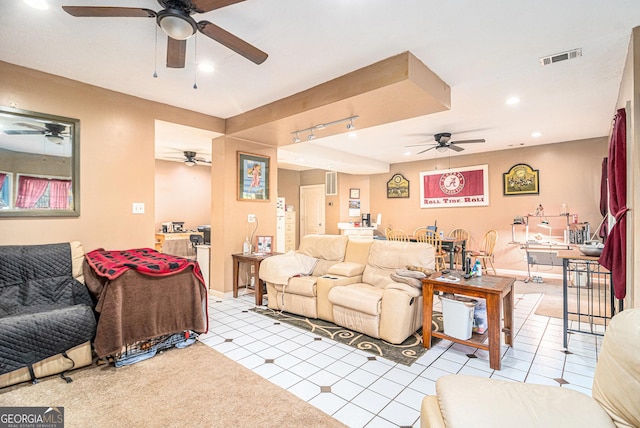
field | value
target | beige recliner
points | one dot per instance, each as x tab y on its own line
299	294
377	305
468	401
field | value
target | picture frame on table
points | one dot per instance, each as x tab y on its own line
253	177
264	244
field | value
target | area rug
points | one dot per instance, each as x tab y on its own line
405	353
192	387
596	301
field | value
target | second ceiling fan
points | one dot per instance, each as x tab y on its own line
443	143
176	21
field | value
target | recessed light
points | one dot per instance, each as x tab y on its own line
207	68
37	4
536	134
512	101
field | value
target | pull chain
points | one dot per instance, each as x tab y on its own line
155	53
195	58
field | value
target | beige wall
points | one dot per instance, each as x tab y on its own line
183	193
117	159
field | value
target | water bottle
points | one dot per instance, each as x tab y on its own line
478	268
246	247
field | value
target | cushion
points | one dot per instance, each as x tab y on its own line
346	269
422	269
302	286
407	280
360	297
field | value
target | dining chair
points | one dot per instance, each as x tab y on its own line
433	238
159	242
459	234
397	235
485	254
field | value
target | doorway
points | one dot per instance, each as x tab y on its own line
312	209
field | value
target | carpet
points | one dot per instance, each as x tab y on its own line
405	353
192	387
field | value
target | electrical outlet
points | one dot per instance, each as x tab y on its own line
251	218
138	208
253	269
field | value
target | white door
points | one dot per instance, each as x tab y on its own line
312	209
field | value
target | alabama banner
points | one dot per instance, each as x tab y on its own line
455	187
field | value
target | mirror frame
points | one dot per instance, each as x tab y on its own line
74	132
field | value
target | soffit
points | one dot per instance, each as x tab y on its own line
397	88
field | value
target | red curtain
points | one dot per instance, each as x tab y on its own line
59	194
30	189
2	176
614	254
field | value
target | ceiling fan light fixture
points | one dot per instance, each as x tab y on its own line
189	162
55	139
177	24
442	149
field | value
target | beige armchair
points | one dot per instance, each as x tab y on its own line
468	401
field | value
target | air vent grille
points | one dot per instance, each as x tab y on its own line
331	184
562	56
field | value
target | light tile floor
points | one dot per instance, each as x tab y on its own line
362	391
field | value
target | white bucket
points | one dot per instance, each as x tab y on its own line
457	316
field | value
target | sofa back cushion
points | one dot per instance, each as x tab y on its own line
328	249
387	256
617	378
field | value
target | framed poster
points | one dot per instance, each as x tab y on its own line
354	208
521	179
253	177
354	193
398	187
455	187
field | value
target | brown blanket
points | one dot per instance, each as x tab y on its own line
136	307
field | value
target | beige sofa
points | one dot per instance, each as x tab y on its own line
351	284
465	401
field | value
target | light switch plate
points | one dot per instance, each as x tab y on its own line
138	208
251	218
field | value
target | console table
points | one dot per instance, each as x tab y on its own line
498	292
254	261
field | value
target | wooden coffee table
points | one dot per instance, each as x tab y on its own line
498	292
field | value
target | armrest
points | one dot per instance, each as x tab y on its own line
346	269
323	287
410	290
430	415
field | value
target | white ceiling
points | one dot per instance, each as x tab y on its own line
486	51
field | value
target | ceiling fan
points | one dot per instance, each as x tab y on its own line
52	131
444	143
176	21
190	159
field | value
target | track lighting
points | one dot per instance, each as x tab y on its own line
350	126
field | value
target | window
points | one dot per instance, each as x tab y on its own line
5	189
44	192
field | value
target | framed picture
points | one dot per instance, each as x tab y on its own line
455	187
354	193
521	179
398	187
264	244
253	177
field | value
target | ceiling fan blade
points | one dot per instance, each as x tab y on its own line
456	148
16	132
234	43
417	145
426	150
176	52
32	126
106	11
481	140
202	6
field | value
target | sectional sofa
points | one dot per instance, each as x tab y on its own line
348	282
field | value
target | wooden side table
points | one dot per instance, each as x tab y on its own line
498	292
254	260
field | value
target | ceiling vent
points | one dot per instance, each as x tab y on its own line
563	56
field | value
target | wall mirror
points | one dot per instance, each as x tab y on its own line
39	164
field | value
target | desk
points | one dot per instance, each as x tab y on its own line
254	260
178	244
497	290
